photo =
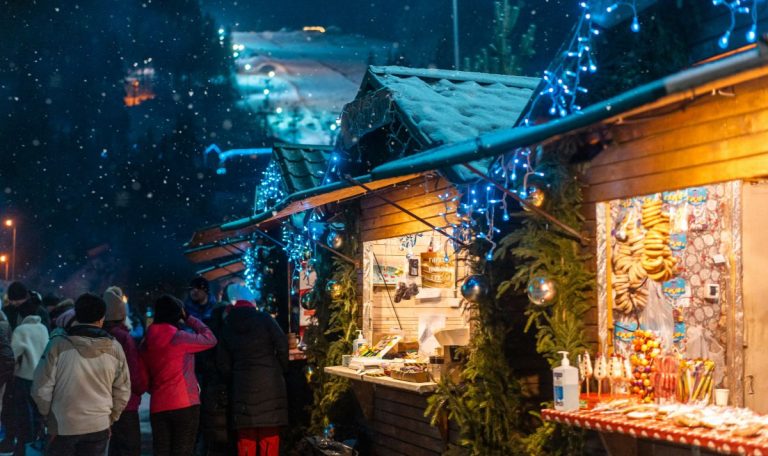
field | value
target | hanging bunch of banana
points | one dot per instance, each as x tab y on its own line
628	273
657	261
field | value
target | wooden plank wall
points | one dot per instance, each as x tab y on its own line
716	138
380	220
388	252
401	429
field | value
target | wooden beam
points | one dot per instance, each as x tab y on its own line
434	227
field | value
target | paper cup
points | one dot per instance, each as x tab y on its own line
721	397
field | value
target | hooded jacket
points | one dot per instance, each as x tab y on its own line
28	343
31	306
254	354
168	355
81	384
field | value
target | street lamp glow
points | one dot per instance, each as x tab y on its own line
3	258
9	222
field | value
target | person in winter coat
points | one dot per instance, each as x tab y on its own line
24	424
21	303
7	360
168	355
63	322
81	384
254	354
214	394
126	432
200	302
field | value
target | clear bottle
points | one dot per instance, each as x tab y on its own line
359	342
566	385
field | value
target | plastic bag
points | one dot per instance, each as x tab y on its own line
658	316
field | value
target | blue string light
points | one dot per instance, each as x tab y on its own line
270	190
735	8
635	26
253	274
563	80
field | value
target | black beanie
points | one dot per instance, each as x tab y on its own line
89	308
168	309
17	292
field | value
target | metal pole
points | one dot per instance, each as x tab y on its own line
6	271
13	257
455	34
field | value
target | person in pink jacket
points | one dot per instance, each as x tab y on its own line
168	355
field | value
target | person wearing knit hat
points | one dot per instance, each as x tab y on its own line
116	309
168	354
126	431
62	307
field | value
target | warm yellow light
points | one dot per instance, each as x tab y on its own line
314	28
3	258
8	222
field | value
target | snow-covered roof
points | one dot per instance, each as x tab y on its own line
449	106
436	106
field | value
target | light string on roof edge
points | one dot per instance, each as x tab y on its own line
515	170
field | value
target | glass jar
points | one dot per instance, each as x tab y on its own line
436	364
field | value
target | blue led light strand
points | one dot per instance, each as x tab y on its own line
270	190
735	8
635	26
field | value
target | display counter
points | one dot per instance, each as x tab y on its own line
420	388
395	410
624	436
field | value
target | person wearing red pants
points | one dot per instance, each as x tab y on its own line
253	355
261	441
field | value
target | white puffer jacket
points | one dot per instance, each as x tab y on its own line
28	343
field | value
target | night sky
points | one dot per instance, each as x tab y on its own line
105	194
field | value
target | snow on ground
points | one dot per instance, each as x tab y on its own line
301	80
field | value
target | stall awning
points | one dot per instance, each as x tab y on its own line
211	243
316	197
210	252
222	270
688	83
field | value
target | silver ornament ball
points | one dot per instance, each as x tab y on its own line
335	240
475	288
541	291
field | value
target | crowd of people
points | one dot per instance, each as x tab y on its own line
72	375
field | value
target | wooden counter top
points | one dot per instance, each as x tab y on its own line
420	388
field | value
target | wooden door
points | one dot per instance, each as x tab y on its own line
755	289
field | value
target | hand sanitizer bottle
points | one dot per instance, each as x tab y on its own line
357	343
566	381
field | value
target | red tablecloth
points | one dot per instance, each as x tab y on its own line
713	440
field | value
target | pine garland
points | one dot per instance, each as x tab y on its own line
490	405
331	335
